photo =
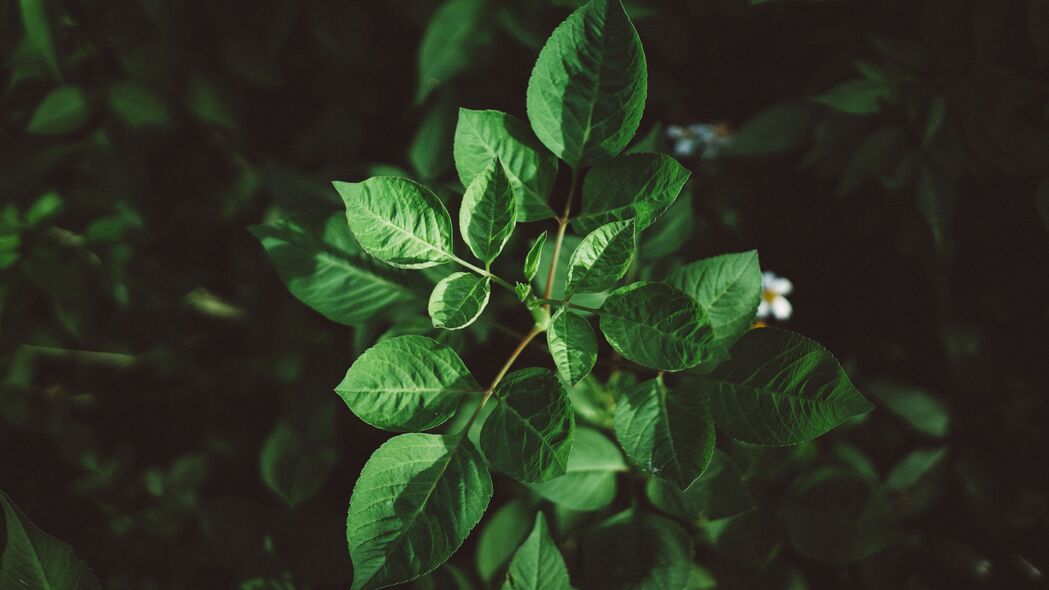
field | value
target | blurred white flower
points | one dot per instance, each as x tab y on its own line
773	297
704	139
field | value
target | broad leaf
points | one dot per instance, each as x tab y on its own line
482	136
658	326
670	232
572	344
601	259
728	287
535	253
667	432
780	388
538	565
62	111
500	536
488	213
587	90
633	186
429	153
456	35
297	458
40	24
528	435
590	481
322	265
639	551
406	383
719	493
417	499
35	560
398	221
459	299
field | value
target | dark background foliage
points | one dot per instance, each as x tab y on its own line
148	348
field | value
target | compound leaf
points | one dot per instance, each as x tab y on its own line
488	213
601	259
458	299
406	383
572	344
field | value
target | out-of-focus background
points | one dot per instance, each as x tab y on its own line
166	404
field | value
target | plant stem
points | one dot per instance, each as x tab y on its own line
562	225
502	373
485	273
562	303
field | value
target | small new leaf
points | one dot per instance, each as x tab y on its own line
408	512
572	344
398	221
489	213
528	435
535	253
406	383
537	565
632	186
668	433
587	90
658	326
458	300
601	259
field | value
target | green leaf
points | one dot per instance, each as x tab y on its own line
488	213
667	432
917	407
719	493
658	326
429	152
500	536
138	106
637	550
670	232
587	90
35	560
601	259
295	461
417	499
459	299
633	186
446	577
873	156
406	383
728	287
483	136
779	389
859	97
61	111
398	221
917	479
537	565
590	480
455	37
572	344
535	254
324	267
528	435
837	517
780	128
751	539
39	27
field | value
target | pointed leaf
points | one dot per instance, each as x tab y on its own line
779	389
324	267
587	90
719	493
590	480
482	136
535	253
34	559
39	27
528	435
601	259
636	550
489	213
573	345
728	287
538	565
658	326
500	536
417	499
61	111
633	186
398	221
667	432
459	299
406	383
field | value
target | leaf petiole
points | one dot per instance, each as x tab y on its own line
562	303
485	273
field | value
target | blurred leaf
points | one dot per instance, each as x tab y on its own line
634	549
859	97
780	128
923	411
590	481
138	106
61	111
633	186
455	37
671	231
719	493
873	156
751	539
447	577
39	18
295	460
500	537
35	560
430	152
916	478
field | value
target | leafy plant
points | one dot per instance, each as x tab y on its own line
694	365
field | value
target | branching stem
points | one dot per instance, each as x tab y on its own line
485	273
521	346
562	226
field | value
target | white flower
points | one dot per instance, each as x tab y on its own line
703	138
773	297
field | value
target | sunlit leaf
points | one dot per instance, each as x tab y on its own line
458	300
728	287
488	213
633	186
572	344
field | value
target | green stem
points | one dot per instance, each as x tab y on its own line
562	226
485	273
562	303
502	373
